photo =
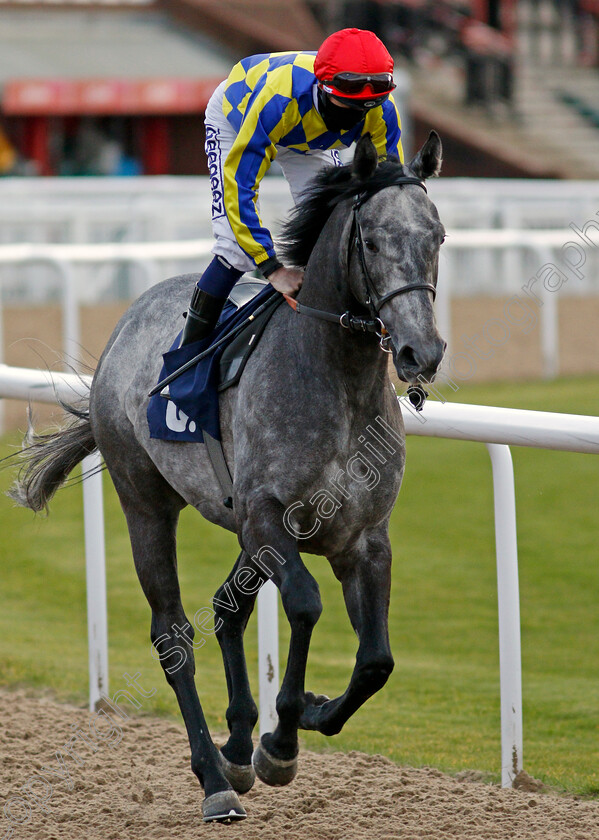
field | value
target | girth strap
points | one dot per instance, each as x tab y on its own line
220	467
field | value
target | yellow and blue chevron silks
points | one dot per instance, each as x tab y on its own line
270	100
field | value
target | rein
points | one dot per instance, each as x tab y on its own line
353	323
373	301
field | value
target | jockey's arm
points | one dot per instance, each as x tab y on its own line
248	161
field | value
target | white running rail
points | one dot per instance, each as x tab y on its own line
498	428
149	256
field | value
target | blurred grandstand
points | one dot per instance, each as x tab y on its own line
117	86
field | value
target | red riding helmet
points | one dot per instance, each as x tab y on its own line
353	64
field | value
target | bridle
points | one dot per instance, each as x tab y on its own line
373	301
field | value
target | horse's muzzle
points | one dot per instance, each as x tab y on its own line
419	362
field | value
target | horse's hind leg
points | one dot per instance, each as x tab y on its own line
152	512
366	580
233	605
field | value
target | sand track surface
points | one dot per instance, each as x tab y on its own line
131	779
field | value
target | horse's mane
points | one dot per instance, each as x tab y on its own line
332	185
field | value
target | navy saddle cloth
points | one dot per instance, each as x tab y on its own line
193	404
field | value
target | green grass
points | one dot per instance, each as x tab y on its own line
441	705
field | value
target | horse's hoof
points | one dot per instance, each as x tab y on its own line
223	806
241	777
273	771
312	699
311	717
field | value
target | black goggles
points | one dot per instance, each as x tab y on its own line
354	83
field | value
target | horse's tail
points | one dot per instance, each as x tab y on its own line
47	459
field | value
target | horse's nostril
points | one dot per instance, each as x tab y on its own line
407	357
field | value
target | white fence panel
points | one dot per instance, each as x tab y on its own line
94	210
49	387
152	258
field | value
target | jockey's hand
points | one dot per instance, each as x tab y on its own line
287	280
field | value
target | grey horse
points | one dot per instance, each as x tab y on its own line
314	438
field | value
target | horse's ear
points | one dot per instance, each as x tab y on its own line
427	162
365	158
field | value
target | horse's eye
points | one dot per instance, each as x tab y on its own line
370	246
444	238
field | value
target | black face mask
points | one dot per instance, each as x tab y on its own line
337	118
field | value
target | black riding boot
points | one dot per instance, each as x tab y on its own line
201	319
202	316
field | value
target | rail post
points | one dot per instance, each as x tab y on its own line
508	600
268	655
95	572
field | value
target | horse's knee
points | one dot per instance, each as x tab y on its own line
233	602
221	616
301	600
375	672
289	706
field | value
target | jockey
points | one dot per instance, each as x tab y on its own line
299	107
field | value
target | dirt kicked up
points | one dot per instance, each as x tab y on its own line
129	779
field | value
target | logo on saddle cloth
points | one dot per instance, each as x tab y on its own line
215	171
177	421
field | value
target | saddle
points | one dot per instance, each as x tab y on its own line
234	357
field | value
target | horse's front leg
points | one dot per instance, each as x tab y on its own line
366	579
265	537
